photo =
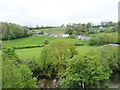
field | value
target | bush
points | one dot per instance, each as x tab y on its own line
46	41
23	47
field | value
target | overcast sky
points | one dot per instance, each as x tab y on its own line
57	12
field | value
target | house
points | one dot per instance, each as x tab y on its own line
83	37
55	35
114	45
79	37
65	35
101	27
46	34
52	35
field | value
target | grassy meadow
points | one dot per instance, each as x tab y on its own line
60	30
35	52
30	53
32	40
35	40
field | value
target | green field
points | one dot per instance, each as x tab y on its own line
35	40
30	53
60	30
35	52
86	49
32	40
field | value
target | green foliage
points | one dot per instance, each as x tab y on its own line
70	29
104	38
72	36
77	28
11	77
54	57
109	57
84	70
46	41
32	64
24	53
27	42
28	81
13	31
35	41
9	54
15	75
55	30
0	71
90	29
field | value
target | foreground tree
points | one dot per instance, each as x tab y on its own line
15	75
84	72
9	54
11	77
54	57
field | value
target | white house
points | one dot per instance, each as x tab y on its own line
65	35
83	37
46	34
114	45
55	35
79	37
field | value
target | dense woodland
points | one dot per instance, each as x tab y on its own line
61	60
12	31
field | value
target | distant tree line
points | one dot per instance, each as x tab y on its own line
41	27
104	38
12	31
90	28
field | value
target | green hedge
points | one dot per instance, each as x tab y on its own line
23	47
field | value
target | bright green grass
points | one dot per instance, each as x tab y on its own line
86	49
30	53
32	40
35	52
60	30
35	40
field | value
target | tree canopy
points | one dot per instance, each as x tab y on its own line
54	57
15	75
84	72
12	31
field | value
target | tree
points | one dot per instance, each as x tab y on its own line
28	80
109	57
88	25
85	72
15	75
11	76
54	57
104	38
46	41
9	54
13	31
70	29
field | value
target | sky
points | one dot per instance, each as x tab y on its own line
57	12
